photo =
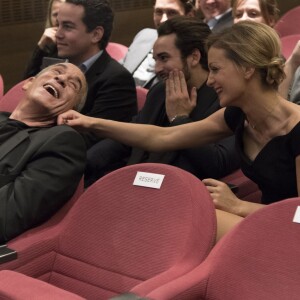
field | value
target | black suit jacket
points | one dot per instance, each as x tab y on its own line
225	21
35	63
215	160
40	169
111	93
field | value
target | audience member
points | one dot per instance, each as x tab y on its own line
291	86
295	90
46	46
139	60
267	12
261	11
41	164
266	126
217	13
180	45
84	29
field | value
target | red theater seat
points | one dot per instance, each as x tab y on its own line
258	259
121	237
289	23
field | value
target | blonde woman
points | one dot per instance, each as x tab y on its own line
46	46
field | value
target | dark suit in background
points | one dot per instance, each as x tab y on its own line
215	160
111	93
35	64
224	22
40	168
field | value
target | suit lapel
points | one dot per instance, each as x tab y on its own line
98	67
13	142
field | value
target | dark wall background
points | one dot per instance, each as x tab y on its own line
21	25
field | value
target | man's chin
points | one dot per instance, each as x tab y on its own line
63	54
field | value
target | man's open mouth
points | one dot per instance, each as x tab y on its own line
51	90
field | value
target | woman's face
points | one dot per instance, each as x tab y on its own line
54	11
225	78
248	10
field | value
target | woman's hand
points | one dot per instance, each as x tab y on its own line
223	198
74	119
48	38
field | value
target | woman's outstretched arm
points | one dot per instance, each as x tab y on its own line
150	137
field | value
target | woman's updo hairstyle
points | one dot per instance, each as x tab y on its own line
252	44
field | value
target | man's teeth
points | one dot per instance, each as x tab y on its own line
52	90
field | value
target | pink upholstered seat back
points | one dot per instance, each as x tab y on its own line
12	97
259	259
289	23
141	94
116	50
119	235
288	43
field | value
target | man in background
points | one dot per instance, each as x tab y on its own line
139	59
84	30
217	13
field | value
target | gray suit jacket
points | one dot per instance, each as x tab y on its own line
138	50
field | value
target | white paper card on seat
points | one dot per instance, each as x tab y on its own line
150	180
297	215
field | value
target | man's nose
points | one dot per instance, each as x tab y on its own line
164	18
58	33
61	79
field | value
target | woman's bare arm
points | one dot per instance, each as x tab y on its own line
150	137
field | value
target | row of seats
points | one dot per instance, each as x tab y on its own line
288	28
156	242
289	23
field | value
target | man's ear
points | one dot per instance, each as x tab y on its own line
195	57
27	83
97	34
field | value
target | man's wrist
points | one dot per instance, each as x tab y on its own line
178	117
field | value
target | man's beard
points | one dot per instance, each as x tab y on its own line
185	69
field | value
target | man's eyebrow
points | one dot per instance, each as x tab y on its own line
162	53
77	78
79	81
61	65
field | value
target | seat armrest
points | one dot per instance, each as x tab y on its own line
7	254
17	286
